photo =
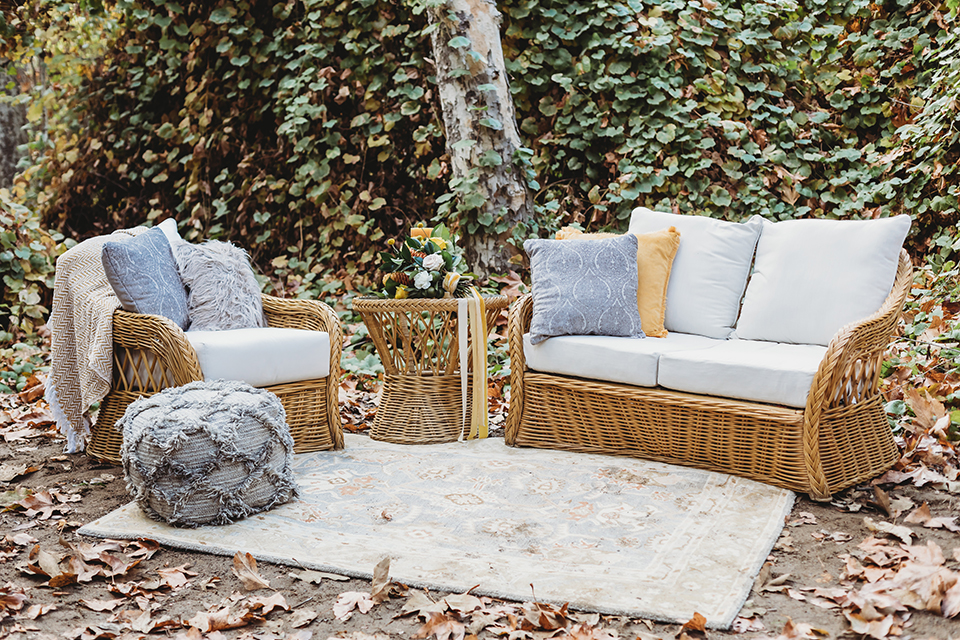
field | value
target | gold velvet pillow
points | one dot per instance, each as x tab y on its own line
655	253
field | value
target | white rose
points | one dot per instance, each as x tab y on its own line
433	262
423	279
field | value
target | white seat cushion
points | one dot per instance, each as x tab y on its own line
262	356
812	277
709	271
770	372
626	360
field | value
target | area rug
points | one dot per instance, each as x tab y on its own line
602	533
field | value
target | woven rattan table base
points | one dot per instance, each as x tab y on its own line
421	409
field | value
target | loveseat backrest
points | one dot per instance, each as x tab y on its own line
709	272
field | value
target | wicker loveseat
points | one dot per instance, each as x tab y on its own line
816	430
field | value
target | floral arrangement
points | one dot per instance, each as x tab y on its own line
427	264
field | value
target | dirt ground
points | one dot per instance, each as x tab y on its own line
808	590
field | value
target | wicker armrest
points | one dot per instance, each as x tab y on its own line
850	369
312	315
161	337
849	373
518	323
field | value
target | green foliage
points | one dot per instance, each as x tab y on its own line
28	256
785	109
308	131
288	128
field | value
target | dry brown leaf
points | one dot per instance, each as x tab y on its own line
11	598
34	611
316	577
350	600
102	605
919	515
269	603
694	629
175	577
245	568
380	587
302	617
801	631
882	500
441	626
44	562
896	530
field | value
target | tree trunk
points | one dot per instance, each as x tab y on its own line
12	120
481	130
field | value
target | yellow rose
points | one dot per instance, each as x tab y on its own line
440	242
450	281
401	293
421	232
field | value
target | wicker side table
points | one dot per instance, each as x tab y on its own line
417	341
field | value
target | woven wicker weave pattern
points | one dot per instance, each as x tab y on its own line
418	342
151	353
841	437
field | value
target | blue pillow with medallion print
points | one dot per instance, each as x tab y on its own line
584	287
144	276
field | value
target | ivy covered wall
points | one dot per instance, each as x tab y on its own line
308	131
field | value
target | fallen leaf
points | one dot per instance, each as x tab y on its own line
316	577
302	617
269	603
101	605
442	626
380	587
348	601
882	500
245	568
34	611
801	631
896	530
11	598
175	577
694	629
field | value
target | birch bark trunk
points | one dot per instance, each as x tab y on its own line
481	129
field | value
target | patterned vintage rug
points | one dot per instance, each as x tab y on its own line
607	534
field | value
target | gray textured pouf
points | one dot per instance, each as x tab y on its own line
207	453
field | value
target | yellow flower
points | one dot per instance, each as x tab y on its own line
450	281
440	242
401	293
391	242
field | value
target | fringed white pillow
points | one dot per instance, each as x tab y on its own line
223	292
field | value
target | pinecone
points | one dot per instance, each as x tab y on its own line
417	254
400	278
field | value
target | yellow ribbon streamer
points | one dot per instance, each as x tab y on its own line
471	312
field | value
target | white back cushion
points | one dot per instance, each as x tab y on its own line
812	277
709	271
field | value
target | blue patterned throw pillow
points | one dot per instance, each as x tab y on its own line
584	287
144	276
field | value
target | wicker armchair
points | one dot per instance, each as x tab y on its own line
152	353
839	439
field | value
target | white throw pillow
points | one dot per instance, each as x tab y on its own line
812	277
709	271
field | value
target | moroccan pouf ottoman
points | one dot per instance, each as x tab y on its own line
208	452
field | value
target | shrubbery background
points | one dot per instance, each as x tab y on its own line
309	132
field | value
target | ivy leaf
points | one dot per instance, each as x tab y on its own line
459	42
492	123
223	15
